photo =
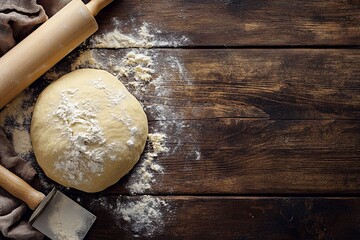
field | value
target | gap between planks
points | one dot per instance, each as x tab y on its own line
229	47
244	118
239	196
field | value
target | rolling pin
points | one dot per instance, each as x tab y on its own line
46	46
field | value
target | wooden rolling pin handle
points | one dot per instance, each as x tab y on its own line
95	6
19	188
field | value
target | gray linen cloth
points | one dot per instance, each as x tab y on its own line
11	209
18	18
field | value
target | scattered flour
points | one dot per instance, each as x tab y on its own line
15	118
135	66
85	58
66	220
140	38
198	155
18	111
138	66
140	69
21	141
87	141
144	174
157	141
144	216
117	39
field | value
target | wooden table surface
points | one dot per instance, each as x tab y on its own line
269	147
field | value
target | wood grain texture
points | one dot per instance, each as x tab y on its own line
251	83
242	22
247	156
238	218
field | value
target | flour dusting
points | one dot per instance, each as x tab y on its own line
144	37
144	174
138	68
157	141
21	141
85	58
78	123
117	39
58	219
18	111
14	118
144	216
142	69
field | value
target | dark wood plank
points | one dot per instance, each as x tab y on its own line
264	83
242	22
238	218
246	156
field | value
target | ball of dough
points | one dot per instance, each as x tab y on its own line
87	130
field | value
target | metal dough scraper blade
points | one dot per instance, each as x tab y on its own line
59	217
56	215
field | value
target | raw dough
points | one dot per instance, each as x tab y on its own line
87	130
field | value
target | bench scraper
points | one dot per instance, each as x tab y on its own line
55	215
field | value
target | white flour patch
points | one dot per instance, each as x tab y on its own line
22	141
143	177
146	36
88	147
57	215
137	68
143	70
18	111
85	59
144	216
116	39
198	155
15	118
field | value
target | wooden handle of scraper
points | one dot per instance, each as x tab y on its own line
19	188
95	6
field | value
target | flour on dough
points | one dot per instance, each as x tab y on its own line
87	130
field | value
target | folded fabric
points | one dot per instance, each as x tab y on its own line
18	18
11	209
